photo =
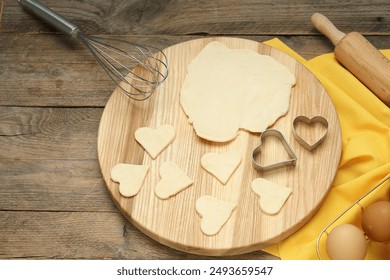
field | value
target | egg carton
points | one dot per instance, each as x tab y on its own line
357	203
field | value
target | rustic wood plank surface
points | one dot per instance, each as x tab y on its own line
53	203
122	116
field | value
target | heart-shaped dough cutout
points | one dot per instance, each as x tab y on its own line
310	133
272	196
214	212
222	166
130	177
155	140
173	180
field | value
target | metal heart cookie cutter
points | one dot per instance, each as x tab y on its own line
257	150
306	120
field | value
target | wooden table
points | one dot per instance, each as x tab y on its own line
53	202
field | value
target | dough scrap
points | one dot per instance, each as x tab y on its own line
130	178
155	140
230	89
173	180
272	196
214	212
222	166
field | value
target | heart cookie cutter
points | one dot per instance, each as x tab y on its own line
257	151
306	120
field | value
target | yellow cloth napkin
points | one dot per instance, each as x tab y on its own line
365	160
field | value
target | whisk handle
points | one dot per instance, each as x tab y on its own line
50	16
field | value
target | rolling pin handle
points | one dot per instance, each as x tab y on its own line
326	27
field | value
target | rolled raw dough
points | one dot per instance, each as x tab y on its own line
230	89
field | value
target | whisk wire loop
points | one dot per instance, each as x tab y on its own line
137	70
137	76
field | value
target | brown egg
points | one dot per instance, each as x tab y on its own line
376	221
346	242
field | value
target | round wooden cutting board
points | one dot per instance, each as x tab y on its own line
174	221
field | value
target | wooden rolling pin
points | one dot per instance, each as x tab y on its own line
359	56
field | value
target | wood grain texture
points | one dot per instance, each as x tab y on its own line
181	17
51	182
47	133
52	185
82	235
43	78
174	221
